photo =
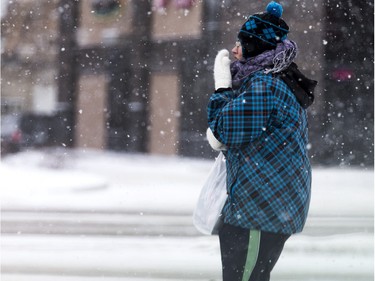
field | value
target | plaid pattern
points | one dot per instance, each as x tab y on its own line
268	170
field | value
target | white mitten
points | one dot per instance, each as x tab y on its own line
222	75
214	142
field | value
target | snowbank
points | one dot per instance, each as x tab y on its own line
97	180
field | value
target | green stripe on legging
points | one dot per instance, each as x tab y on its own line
252	254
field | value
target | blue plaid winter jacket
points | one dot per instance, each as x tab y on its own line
268	171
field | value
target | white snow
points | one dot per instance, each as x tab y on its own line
95	181
60	179
195	258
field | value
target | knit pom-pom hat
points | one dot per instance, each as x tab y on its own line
263	31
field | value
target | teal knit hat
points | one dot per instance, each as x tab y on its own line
263	31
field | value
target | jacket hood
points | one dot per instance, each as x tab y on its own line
302	87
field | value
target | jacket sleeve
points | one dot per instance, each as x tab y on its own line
237	120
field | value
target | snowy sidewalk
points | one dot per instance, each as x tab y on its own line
333	258
94	181
73	215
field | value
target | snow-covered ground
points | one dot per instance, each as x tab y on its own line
72	215
106	180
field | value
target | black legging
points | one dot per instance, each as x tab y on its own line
249	255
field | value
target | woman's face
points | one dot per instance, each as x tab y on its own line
237	51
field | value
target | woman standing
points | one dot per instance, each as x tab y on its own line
257	117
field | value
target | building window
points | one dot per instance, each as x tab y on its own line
183	4
160	4
178	4
105	7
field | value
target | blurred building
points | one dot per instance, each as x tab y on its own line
136	75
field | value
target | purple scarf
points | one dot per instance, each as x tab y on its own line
271	61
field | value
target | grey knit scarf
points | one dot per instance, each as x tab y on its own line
271	61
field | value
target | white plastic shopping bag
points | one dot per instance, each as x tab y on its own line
212	198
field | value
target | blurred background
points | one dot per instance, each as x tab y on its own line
103	147
135	76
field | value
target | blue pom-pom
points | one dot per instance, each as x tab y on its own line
275	9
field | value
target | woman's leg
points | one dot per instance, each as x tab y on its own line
249	255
